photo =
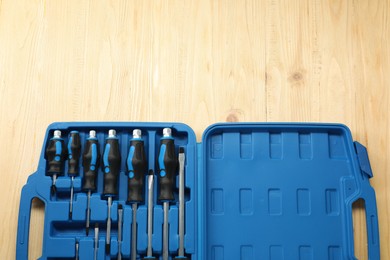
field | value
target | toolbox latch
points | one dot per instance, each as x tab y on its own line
364	162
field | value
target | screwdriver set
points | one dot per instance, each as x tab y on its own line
124	190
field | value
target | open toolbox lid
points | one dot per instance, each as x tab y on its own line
253	191
282	191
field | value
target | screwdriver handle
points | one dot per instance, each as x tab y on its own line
56	155
74	152
91	158
111	165
167	164
136	166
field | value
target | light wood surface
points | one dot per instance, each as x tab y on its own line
197	62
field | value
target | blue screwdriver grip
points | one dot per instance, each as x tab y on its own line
56	155
111	166
91	158
74	152
167	164
136	167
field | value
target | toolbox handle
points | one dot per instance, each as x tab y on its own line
372	224
27	195
372	230
367	193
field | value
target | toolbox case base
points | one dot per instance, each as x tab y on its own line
254	191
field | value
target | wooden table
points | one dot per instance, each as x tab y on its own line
196	62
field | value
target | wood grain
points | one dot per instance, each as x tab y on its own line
197	62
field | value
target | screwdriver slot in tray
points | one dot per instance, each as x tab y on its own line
73	229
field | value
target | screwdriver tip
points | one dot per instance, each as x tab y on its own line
87	231
181	150
70	215
108	248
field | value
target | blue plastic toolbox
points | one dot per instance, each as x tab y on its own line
252	191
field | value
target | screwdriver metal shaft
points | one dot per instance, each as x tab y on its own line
88	213
53	185
181	252
134	233
95	251
165	231
108	233
71	198
181	201
120	221
77	251
149	251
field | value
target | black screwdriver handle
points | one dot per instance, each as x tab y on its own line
56	155
74	152
111	166
167	163
136	166
91	158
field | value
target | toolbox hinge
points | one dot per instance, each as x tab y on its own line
363	159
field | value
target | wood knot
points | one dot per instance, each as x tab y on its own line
232	118
234	115
296	78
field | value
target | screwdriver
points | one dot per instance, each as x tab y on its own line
181	255
111	167
56	156
136	166
149	252
91	158
167	163
74	151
